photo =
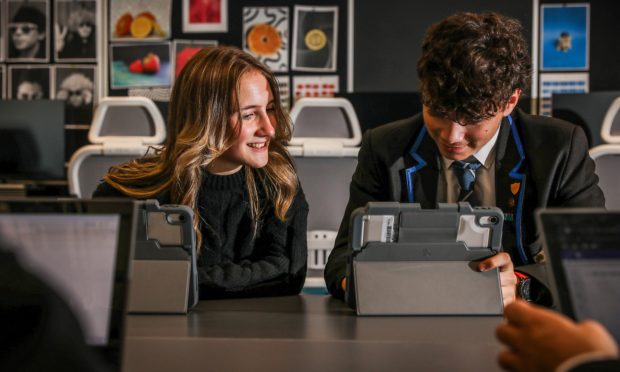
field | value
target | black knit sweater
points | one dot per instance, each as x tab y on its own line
235	262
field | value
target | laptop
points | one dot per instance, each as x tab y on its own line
582	251
82	250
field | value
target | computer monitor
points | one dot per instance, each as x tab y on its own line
82	250
32	140
582	254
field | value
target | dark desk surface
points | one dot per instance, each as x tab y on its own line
305	333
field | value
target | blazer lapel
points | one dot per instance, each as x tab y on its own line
422	164
510	188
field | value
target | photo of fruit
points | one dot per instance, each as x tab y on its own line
185	49
139	20
140	65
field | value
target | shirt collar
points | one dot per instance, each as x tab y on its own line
482	155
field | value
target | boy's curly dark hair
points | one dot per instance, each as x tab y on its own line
471	64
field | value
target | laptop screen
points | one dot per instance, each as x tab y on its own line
81	249
582	248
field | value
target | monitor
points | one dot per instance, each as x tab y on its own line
82	250
582	252
32	140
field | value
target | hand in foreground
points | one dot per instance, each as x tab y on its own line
507	276
540	340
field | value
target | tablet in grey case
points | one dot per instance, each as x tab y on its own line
164	275
412	261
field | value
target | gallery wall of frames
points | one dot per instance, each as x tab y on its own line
80	50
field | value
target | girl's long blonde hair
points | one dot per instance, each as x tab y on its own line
203	101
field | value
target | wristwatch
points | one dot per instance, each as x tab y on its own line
523	286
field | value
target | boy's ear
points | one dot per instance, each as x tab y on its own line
512	102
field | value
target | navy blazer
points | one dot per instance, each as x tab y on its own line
539	162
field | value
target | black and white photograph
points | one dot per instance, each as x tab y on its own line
29	82
75	84
75	29
27	36
314	39
2	82
2	30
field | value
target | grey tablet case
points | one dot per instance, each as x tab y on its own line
164	277
406	260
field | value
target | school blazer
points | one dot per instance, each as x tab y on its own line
540	162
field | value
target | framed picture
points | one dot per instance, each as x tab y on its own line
265	35
27	31
315	86
185	49
2	81
140	65
29	82
565	37
554	83
75	84
139	20
315	38
75	30
2	23
205	16
284	87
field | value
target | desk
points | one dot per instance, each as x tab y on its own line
305	333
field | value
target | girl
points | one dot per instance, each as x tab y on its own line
225	157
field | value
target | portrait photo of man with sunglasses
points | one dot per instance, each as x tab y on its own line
75	84
29	82
27	31
75	30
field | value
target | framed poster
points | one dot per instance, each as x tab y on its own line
565	37
140	65
315	38
28	31
139	20
76	34
205	16
265	35
29	82
553	83
75	84
185	49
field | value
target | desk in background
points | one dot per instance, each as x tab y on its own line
305	333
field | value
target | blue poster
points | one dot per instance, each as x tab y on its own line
564	37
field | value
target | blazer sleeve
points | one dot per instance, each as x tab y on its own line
578	185
367	184
277	268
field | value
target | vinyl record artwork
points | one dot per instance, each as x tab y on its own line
265	36
315	38
29	82
140	65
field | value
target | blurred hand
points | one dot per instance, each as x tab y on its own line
539	339
507	276
60	33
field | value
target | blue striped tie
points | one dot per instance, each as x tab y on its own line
465	172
